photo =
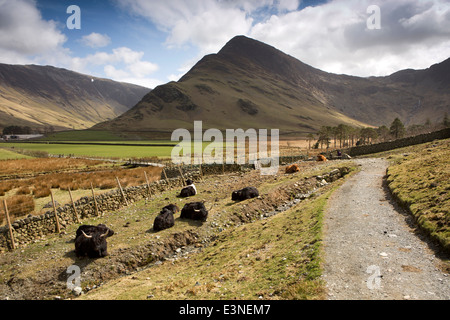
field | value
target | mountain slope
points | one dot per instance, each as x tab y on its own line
249	84
42	96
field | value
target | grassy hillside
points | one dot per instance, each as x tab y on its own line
420	179
277	258
243	251
44	96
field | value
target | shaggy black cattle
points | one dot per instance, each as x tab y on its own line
172	207
165	219
243	194
91	241
189	190
194	211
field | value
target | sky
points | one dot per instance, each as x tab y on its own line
152	42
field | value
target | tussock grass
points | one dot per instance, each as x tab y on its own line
62	174
45	165
421	182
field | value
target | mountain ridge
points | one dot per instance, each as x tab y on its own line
43	96
249	84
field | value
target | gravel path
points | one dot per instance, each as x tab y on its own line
371	251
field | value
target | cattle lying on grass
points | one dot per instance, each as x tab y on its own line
292	168
172	207
321	157
189	190
244	194
194	211
91	241
165	219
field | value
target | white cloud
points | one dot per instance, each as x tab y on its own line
206	24
122	64
95	40
24	33
332	36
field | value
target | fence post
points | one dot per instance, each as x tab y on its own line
201	172
95	200
121	191
182	176
148	184
11	235
165	176
74	207
58	229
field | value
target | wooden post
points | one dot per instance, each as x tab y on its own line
74	207
201	172
148	184
121	191
13	245
95	200
182	176
165	176
58	229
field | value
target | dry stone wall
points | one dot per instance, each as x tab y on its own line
34	227
31	228
400	143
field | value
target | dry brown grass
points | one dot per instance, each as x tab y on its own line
36	166
41	191
23	191
18	206
39	186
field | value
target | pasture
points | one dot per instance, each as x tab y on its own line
10	155
241	252
105	150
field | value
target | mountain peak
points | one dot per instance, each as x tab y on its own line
246	52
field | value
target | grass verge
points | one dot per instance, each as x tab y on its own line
420	182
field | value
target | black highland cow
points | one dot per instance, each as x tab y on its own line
188	191
165	219
194	211
91	241
244	194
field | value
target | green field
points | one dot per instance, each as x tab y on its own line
106	150
10	155
103	151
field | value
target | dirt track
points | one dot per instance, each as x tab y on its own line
372	250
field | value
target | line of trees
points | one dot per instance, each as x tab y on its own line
343	135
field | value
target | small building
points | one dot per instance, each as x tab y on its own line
20	137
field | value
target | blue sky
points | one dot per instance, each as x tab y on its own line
151	42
